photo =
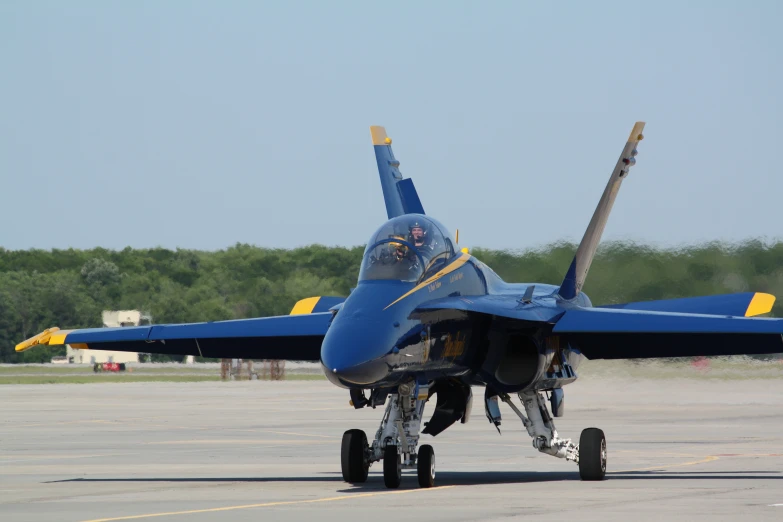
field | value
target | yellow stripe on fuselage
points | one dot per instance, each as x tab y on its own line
305	306
461	260
760	304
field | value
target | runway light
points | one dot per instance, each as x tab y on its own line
626	161
634	152
640	137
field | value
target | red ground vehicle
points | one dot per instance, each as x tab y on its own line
108	367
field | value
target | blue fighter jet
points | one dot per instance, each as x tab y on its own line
428	319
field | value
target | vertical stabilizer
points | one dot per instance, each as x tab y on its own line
399	194
577	272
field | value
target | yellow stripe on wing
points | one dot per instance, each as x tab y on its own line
760	304
42	338
59	337
461	260
305	306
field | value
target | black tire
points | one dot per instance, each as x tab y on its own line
353	458
425	466
592	454
392	467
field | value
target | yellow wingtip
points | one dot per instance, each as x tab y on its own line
42	338
304	306
379	136
760	304
636	132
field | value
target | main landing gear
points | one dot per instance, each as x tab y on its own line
590	454
395	443
397	439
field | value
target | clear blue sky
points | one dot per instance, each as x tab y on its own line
202	124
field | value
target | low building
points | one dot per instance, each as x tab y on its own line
111	319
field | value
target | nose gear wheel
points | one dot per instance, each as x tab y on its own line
353	457
392	467
425	466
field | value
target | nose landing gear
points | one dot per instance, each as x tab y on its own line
395	443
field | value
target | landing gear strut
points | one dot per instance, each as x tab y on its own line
395	442
589	454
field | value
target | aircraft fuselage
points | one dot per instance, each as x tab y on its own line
378	339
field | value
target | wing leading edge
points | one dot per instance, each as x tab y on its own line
290	337
601	333
747	304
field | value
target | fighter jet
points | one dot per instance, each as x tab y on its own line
427	319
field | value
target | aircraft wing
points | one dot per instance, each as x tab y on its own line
601	333
605	333
745	304
288	337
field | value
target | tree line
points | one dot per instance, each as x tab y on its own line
70	288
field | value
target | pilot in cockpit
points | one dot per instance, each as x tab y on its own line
418	238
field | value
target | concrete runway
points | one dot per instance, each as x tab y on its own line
678	450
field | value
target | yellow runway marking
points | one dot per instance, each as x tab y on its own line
708	458
237	442
270	504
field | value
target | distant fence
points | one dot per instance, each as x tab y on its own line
243	369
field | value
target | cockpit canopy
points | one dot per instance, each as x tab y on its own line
406	248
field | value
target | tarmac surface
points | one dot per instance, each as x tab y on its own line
678	450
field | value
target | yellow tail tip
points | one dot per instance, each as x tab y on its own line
379	136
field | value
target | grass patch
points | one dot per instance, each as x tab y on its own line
125	377
81	369
712	368
86	379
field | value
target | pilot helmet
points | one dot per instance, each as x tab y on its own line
418	224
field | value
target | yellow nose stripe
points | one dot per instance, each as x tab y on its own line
456	264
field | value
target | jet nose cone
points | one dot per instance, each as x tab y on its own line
363	373
354	355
